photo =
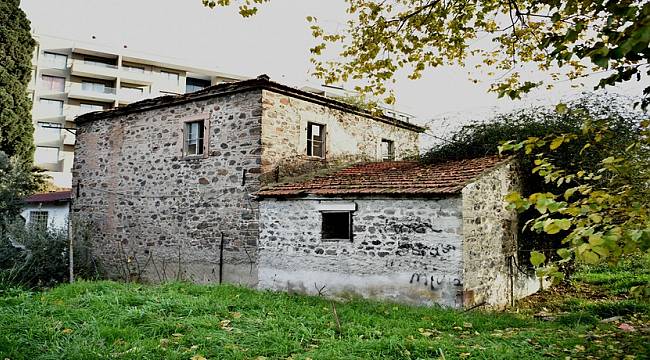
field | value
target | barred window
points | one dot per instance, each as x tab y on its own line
38	219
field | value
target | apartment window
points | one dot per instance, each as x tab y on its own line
132	90
94	86
133	68
54	83
51	107
336	225
192	84
194	138
38	219
169	76
97	61
387	150
46	155
58	60
86	108
316	140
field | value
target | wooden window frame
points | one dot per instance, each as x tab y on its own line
205	118
310	141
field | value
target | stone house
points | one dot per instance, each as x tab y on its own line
404	231
167	183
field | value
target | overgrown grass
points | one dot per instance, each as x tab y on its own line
97	320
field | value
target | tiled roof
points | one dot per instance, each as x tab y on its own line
390	178
63	195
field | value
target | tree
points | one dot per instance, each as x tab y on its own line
16	49
602	214
573	36
17	181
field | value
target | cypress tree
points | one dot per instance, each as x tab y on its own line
16	49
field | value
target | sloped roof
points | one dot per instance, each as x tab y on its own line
54	196
404	178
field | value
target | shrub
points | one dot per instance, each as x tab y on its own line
35	257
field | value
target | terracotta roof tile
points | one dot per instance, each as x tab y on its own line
53	196
390	178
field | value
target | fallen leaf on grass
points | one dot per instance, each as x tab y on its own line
225	324
464	355
626	327
198	357
66	331
235	315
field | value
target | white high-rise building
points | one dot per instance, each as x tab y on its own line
70	78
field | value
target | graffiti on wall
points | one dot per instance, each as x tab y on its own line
433	282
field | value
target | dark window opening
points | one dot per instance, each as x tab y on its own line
316	140
194	138
192	84
337	225
387	150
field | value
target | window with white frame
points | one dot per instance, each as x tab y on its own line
38	219
59	61
387	150
315	140
336	225
46	155
194	131
54	83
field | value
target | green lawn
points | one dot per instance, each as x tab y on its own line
97	320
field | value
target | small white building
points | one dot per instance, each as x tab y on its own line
403	231
48	210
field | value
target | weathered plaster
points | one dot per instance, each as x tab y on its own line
403	249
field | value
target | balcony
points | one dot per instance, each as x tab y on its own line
128	96
47	158
69	138
94	93
135	75
72	113
48	137
94	70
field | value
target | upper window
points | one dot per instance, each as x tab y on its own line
337	225
54	83
194	138
86	107
170	76
133	68
38	219
58	60
98	61
387	150
46	155
316	140
192	84
51	107
95	86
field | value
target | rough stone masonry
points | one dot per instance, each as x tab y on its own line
160	215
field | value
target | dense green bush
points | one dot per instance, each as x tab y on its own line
36	257
483	139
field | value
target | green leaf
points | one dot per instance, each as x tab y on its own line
537	258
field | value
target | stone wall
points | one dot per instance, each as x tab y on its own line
350	137
407	250
490	239
159	215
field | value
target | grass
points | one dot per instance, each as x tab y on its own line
99	320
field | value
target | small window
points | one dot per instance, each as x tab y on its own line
98	61
387	150
38	219
316	140
54	83
60	61
194	138
337	225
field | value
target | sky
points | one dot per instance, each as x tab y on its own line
274	42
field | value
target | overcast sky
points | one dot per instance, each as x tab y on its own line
275	42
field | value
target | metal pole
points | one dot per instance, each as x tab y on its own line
221	260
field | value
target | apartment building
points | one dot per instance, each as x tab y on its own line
71	78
